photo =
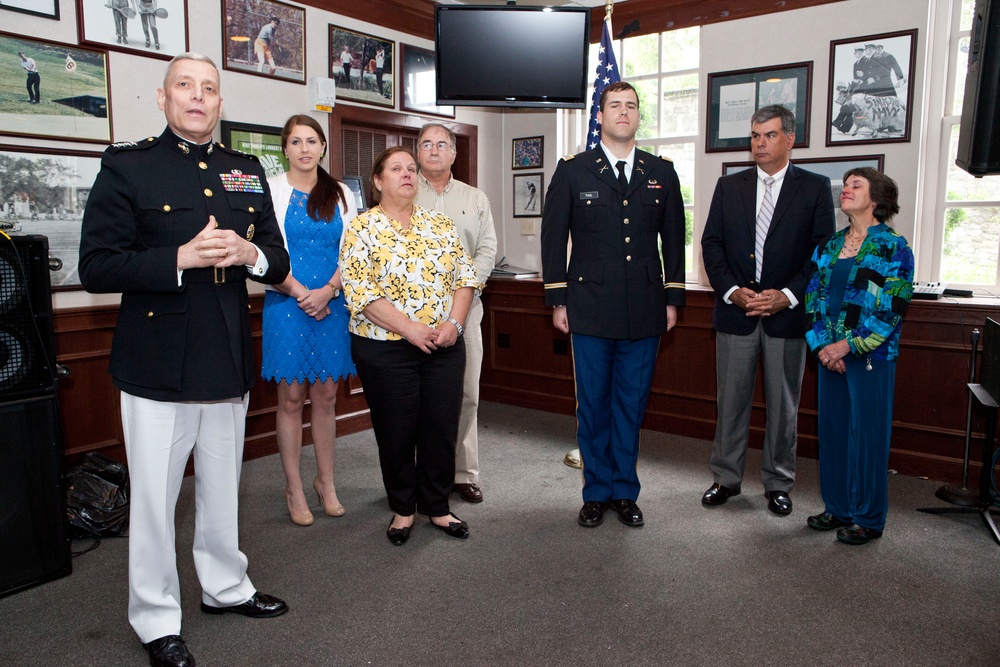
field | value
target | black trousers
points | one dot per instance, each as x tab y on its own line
34	79
415	401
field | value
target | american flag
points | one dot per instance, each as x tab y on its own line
607	73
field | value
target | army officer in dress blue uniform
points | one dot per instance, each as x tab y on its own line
617	296
176	224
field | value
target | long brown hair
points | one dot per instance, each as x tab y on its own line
327	193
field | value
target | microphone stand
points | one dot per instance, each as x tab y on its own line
964	496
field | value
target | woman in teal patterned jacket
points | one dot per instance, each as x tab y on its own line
860	288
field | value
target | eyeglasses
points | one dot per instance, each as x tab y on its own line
441	146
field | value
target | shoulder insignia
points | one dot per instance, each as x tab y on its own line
568	157
131	145
664	157
233	151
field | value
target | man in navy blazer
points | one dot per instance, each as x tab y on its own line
619	205
761	230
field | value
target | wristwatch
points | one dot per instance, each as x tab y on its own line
459	327
336	292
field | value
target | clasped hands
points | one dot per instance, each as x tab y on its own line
832	356
760	304
216	247
428	338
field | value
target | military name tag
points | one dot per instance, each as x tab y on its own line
237	181
594	194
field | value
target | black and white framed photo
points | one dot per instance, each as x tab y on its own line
363	66
48	9
527	153
357	188
528	195
264	38
45	192
156	28
418	82
833	168
53	90
734	96
263	141
871	92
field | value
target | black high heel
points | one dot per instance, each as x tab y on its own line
456	528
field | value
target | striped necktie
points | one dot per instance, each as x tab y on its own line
763	222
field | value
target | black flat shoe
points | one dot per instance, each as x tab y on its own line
825	521
628	512
778	502
261	605
855	534
169	651
456	528
718	494
592	514
398	536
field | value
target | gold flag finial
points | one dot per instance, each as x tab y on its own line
609	7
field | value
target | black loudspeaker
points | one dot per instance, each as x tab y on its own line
34	542
27	344
979	137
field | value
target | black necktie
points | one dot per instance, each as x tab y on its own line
622	181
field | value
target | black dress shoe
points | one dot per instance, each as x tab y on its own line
456	528
778	502
261	605
855	534
592	514
718	494
169	651
470	493
398	536
628	512
825	521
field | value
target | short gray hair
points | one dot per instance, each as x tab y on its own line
764	114
429	126
187	55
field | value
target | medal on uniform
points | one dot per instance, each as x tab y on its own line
250	231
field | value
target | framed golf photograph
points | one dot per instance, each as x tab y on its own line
418	82
362	66
354	184
156	28
871	96
734	96
833	168
48	9
263	141
45	192
527	153
528	195
53	90
264	38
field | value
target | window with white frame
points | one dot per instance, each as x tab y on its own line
969	238
663	68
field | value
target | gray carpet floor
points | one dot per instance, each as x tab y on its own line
733	585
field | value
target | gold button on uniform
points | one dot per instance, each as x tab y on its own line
580	279
202	165
208	192
626	221
628	258
166	208
628	239
589	202
250	209
625	203
149	314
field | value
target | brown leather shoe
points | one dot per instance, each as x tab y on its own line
470	493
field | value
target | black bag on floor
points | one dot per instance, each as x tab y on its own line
97	497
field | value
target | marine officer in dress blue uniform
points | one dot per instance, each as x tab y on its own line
617	296
176	224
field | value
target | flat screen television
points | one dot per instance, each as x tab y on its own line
509	56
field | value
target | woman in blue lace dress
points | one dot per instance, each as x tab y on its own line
306	346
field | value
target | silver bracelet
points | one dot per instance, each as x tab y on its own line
459	327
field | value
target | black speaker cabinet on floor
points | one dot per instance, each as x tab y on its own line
27	348
979	137
34	543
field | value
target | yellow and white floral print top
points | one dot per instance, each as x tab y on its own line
416	269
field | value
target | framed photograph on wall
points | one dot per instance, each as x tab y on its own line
528	194
260	140
45	192
54	90
734	96
264	38
418	82
831	167
45	8
871	96
527	153
354	184
157	28
362	66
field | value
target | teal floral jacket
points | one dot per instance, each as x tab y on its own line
877	295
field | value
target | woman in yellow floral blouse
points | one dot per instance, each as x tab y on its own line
409	285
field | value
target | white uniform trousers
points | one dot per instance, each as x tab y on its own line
467	442
159	438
